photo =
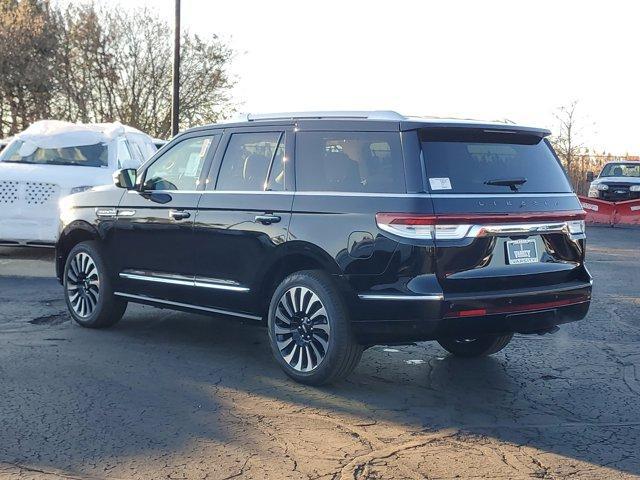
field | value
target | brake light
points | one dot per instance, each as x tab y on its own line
407	225
455	226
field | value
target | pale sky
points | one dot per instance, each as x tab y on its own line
473	59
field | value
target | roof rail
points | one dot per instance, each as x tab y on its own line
360	115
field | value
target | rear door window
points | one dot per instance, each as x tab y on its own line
477	161
247	161
369	162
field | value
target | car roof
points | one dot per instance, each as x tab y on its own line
375	120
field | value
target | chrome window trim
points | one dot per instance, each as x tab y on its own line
500	196
376	296
187	281
187	305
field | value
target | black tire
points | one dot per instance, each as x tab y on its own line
303	338
88	288
475	347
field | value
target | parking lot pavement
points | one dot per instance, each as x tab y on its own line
172	395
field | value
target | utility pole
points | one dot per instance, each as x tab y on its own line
175	96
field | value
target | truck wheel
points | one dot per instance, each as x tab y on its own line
309	329
475	347
88	289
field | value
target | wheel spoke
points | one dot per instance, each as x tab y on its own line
322	326
288	303
311	364
298	365
71	275
296	299
289	357
91	303
320	312
281	317
282	330
305	297
316	352
323	343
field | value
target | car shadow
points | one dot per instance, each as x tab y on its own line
160	379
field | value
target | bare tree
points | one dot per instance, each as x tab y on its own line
568	142
28	42
94	63
117	66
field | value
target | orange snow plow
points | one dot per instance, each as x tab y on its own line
613	214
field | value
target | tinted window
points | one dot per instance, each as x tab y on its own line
621	170
247	160
471	161
84	156
180	167
349	162
276	175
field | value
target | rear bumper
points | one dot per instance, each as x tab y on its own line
533	311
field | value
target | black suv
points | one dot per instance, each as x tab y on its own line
340	231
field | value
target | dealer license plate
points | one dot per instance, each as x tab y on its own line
522	251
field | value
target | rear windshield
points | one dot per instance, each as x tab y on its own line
85	156
621	170
473	161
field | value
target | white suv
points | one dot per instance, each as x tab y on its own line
52	159
618	181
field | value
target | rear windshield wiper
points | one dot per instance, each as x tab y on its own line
512	183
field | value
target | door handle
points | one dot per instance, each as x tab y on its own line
178	214
266	219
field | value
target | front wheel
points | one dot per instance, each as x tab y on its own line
475	347
309	329
88	289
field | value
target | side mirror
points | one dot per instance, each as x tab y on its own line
590	177
125	178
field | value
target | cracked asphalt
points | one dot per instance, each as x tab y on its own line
167	395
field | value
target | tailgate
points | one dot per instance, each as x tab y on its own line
506	217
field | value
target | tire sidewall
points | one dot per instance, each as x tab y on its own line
340	332
105	285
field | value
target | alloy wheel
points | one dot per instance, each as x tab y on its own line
302	329
83	284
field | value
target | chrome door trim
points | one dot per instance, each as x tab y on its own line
186	305
184	280
381	296
218	284
158	277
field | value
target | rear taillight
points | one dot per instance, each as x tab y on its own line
456	227
407	225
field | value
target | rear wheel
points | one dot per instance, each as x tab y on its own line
475	347
88	289
309	329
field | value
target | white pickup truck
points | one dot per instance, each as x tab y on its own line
618	181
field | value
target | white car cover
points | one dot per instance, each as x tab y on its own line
30	192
